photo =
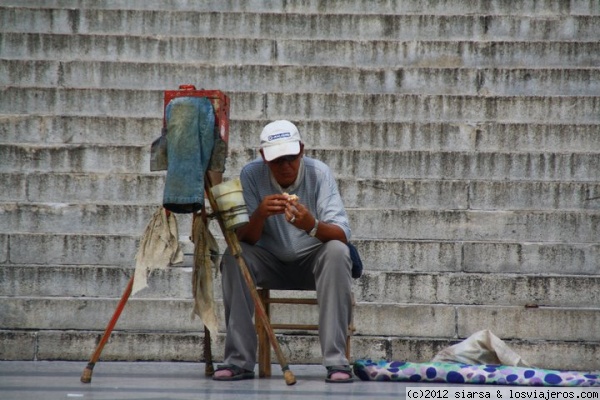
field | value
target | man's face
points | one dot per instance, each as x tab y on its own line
285	169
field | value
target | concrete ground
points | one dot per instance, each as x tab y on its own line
50	380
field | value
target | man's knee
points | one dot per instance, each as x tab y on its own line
337	255
338	249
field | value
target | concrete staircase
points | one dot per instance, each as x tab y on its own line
465	137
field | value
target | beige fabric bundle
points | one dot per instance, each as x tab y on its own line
482	347
206	254
158	248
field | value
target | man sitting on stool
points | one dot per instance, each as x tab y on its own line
289	243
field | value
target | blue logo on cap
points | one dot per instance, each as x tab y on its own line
278	136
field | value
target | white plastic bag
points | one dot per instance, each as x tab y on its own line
482	347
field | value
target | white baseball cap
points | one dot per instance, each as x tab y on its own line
279	138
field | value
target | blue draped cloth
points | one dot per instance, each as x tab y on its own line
453	372
190	140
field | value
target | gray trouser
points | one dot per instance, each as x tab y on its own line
327	269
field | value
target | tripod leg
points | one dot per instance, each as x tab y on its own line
209	369
86	376
261	313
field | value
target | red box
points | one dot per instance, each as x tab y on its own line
218	99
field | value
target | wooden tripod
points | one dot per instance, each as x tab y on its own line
220	103
234	245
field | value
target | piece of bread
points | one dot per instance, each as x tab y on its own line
290	197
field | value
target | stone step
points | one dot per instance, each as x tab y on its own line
402	136
378	255
412	320
485	289
544	323
102	159
431	256
533	196
299	79
293	25
60	249
393	255
170	315
97	281
83	188
109	219
375	287
304	348
324	107
460	165
357	164
491	226
65	129
403	194
139	188
365	7
357	53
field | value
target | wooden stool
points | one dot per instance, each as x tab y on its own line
264	349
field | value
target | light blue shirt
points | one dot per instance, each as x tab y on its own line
316	189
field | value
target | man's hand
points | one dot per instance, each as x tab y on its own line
299	216
272	205
295	213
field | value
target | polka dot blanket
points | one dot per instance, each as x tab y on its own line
452	372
